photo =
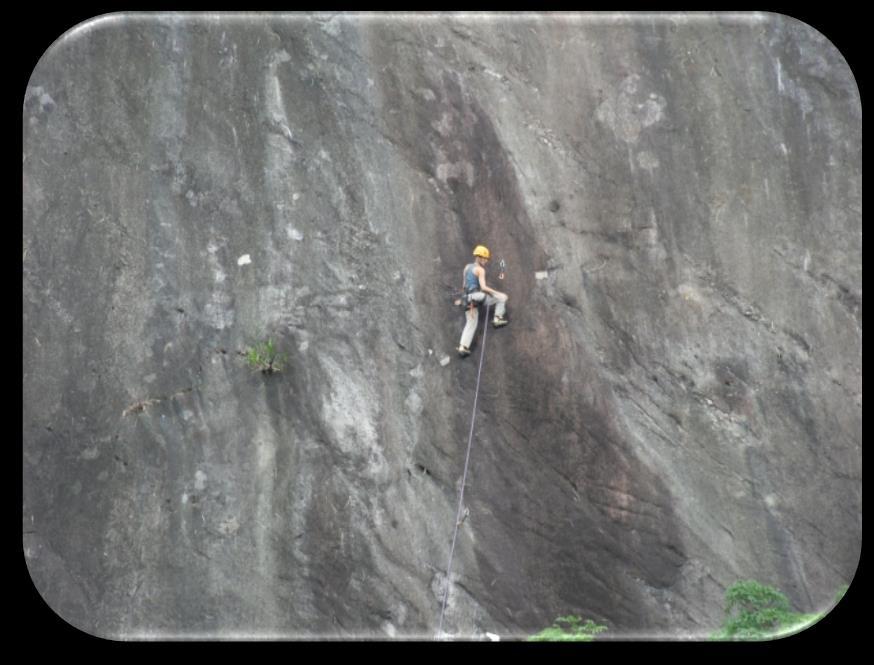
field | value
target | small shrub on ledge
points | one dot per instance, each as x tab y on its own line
264	357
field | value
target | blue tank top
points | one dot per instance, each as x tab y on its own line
471	282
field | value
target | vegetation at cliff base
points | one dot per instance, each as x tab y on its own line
756	611
569	629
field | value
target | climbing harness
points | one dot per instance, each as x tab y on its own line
463	301
458	516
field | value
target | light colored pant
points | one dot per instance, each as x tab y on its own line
473	314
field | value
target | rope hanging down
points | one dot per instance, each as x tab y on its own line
464	475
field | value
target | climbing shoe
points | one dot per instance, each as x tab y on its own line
463	351
499	321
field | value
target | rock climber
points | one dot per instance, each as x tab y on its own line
476	291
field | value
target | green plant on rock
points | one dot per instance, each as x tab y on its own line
756	611
265	357
569	629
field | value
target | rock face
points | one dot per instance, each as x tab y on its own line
675	406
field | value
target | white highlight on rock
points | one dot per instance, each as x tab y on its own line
351	416
444	125
462	170
444	361
279	57
218	311
229	526
414	403
199	480
295	196
265	456
45	99
332	27
293	233
541	274
625	115
244	260
690	293
647	160
493	637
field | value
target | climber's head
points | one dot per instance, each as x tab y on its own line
482	253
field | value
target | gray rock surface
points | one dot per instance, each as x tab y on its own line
675	406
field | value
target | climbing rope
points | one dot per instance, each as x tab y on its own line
464	475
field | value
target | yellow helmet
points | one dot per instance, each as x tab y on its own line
482	251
